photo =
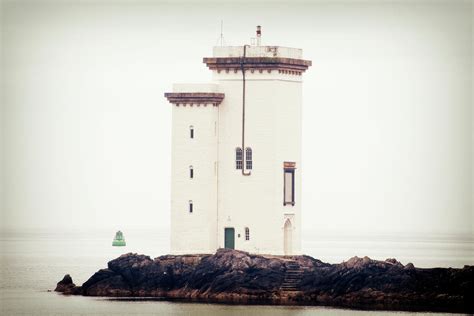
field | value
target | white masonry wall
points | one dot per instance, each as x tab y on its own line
222	197
273	131
194	232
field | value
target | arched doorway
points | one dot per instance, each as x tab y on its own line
288	238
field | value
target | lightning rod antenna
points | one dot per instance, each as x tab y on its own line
221	40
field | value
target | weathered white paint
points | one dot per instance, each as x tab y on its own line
222	196
193	232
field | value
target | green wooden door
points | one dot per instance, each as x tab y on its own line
229	240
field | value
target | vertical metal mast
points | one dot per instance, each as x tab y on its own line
222	33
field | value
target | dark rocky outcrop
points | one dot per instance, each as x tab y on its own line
233	276
66	286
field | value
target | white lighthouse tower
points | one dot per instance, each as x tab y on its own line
236	153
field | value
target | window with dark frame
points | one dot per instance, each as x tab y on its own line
248	158
191	172
289	185
238	158
247	233
191	131
190	206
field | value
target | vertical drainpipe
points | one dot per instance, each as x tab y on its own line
217	179
242	61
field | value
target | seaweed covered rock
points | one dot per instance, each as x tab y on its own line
66	286
234	276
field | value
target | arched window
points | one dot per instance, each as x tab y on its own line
191	131
191	172
248	158
247	233
238	158
287	238
190	206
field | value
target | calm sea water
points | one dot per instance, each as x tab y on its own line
33	262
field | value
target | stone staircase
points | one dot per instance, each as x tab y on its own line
293	276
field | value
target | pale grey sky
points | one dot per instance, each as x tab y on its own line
387	129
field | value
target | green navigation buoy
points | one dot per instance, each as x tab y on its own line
119	241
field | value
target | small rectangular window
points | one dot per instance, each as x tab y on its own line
191	131
191	173
248	158
238	158
289	187
190	206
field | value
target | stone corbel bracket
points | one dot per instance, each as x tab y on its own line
283	65
195	98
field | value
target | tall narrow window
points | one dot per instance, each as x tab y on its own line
190	206
191	131
238	158
191	172
248	158
289	183
247	233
